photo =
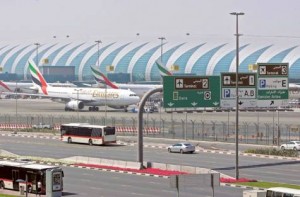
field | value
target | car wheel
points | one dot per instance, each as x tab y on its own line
1	185
294	148
91	142
282	148
192	152
169	150
69	140
181	151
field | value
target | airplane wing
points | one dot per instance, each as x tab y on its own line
47	96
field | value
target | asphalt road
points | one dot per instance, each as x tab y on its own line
92	183
250	167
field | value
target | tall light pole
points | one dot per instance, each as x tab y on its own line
237	14
16	91
77	91
37	53
98	50
161	48
161	60
98	65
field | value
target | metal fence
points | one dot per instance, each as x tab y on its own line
250	133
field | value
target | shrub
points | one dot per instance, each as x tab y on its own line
273	151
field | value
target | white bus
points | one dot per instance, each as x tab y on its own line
17	174
282	192
88	134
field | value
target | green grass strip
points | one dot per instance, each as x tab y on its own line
6	195
262	184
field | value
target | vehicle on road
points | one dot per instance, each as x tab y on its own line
87	133
42	126
181	148
15	175
291	145
282	191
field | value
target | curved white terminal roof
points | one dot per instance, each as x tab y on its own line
203	57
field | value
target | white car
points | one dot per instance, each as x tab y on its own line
181	148
41	126
292	145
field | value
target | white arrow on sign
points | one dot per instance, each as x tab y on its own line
215	103
194	103
170	104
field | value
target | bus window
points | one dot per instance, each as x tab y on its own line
282	192
97	132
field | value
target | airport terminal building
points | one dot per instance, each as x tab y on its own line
204	56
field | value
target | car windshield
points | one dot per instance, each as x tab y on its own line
297	142
187	144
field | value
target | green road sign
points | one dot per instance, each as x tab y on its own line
191	91
273	94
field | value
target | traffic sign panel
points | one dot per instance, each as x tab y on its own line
272	83
273	69
246	91
243	103
191	91
244	79
272	87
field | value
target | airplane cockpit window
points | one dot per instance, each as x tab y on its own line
132	95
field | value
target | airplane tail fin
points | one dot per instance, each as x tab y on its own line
5	86
37	77
101	78
162	69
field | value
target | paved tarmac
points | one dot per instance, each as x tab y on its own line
17	193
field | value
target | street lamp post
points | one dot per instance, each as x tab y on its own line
161	48
37	53
161	60
16	91
98	55
77	91
237	14
98	50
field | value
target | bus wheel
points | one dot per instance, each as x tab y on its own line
29	189
91	142
1	185
69	140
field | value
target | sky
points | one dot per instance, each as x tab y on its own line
84	20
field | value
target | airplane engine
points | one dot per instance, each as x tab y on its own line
74	105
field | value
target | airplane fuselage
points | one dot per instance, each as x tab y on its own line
95	96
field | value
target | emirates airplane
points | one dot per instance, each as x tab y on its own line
77	98
139	89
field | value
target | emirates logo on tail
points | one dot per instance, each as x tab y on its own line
37	77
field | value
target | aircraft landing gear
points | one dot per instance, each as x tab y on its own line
93	108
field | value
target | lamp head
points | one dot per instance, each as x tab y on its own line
237	13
